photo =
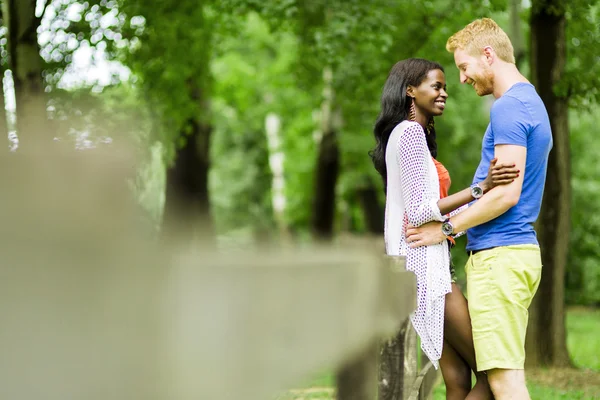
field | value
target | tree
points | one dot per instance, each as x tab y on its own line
170	57
3	64
546	336
327	167
26	66
516	32
559	29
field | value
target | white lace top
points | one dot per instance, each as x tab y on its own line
413	190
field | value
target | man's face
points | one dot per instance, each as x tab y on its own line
475	72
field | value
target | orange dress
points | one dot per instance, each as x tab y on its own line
445	182
444	176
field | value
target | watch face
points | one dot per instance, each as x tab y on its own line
447	228
476	191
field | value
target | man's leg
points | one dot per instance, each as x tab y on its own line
508	384
501	283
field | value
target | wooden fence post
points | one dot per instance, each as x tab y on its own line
425	382
357	380
187	324
398	366
398	354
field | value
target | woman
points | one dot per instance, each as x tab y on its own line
416	193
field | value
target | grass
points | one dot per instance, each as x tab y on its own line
583	342
538	391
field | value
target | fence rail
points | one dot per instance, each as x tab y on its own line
86	290
398	357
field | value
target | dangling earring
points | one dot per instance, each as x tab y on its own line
430	125
412	114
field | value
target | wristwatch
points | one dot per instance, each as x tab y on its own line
476	191
447	227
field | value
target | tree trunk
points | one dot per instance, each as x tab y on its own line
186	213
277	166
3	120
516	32
327	168
26	66
546	334
373	211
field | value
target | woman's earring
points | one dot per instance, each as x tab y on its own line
412	114
430	125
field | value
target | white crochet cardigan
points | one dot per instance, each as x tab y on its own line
413	190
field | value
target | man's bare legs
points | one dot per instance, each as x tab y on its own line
508	384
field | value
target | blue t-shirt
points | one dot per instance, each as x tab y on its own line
518	117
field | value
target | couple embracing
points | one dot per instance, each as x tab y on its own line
485	334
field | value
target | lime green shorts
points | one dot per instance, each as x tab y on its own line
501	283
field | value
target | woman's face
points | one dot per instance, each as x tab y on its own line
430	96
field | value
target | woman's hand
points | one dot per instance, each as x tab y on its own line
501	174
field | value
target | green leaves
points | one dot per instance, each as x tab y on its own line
583	273
581	82
252	78
171	62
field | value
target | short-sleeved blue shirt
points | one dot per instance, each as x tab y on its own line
518	117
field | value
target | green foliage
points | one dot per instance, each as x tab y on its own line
149	187
581	82
360	42
583	272
252	81
169	54
232	62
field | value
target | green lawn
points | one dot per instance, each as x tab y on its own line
583	341
536	392
583	337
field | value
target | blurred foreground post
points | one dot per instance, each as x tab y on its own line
267	322
91	309
405	373
78	299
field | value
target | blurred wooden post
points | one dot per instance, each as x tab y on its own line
398	368
405	372
82	286
299	312
401	376
357	380
427	377
422	387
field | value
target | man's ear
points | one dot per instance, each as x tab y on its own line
489	54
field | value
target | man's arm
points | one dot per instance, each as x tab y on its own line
498	174
493	204
501	198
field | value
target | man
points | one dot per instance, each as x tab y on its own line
504	266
